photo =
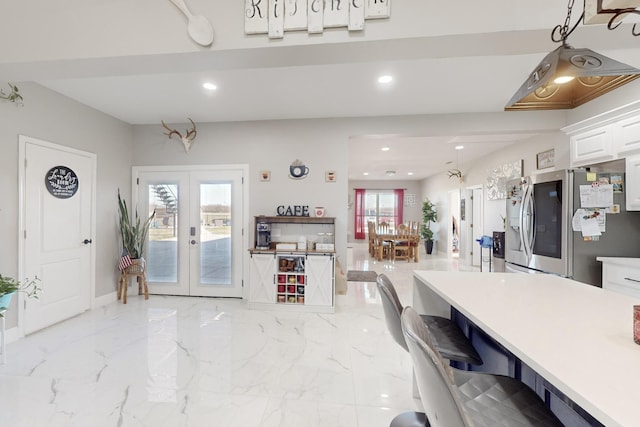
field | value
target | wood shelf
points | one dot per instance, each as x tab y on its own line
295	219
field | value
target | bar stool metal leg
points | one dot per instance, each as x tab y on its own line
410	419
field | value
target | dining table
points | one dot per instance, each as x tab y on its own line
390	239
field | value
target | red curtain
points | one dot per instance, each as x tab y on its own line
399	194
359	214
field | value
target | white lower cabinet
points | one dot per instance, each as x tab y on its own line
320	278
633	182
292	281
621	275
262	274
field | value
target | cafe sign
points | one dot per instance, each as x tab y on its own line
61	182
295	210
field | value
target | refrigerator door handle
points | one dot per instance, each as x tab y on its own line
531	208
521	228
526	217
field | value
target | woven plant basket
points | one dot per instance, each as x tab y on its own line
137	267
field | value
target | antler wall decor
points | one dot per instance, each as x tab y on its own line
455	172
13	96
187	140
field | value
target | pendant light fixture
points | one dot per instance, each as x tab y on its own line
569	77
457	172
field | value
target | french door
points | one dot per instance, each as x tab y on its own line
196	241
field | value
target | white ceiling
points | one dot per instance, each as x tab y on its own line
432	75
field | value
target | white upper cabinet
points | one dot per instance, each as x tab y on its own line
609	136
627	136
633	182
592	146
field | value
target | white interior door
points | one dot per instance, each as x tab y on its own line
195	244
57	207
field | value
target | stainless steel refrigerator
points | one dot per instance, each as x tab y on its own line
539	236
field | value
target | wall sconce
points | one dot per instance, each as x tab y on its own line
569	77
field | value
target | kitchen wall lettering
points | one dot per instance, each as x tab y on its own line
295	210
275	17
61	182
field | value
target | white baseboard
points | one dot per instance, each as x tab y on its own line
12	335
105	300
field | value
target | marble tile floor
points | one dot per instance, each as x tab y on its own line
181	361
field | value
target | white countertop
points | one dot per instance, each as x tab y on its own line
629	262
578	337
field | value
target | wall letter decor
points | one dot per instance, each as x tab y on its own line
275	17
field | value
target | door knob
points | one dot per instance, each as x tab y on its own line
86	241
193	242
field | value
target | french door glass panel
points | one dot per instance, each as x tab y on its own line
215	233
194	247
162	250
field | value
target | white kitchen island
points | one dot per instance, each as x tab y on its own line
573	339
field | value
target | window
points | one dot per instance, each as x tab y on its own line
377	206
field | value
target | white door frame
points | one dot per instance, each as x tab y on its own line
22	144
454	211
136	170
476	206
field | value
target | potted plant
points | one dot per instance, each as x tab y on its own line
429	215
134	234
9	286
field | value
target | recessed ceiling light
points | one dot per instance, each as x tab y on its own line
366	174
409	173
209	86
385	79
385	148
459	147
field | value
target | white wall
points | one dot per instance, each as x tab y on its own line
322	144
267	145
437	188
79	28
54	118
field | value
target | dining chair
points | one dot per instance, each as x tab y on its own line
401	244
456	398
371	229
385	241
380	247
414	232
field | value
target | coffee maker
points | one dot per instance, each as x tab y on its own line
263	235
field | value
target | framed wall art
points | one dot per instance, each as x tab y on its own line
546	159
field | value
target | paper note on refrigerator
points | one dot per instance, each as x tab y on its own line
582	216
596	196
589	227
